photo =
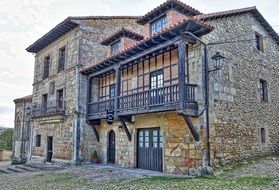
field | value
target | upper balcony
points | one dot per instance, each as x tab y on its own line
154	100
49	108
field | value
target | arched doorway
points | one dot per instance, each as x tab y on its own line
111	147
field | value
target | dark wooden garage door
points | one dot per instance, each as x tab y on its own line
149	154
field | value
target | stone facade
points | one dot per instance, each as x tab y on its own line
22	130
238	118
237	112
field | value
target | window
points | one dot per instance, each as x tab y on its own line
259	42
38	140
60	98
46	67
263	139
156	83
61	61
112	91
159	25
263	90
115	48
156	79
44	103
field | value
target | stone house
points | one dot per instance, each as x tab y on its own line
134	89
22	130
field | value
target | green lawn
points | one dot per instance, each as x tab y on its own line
199	183
67	181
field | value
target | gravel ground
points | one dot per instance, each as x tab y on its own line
259	174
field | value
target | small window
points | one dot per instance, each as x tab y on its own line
46	67
259	42
159	25
60	98
115	48
263	90
38	140
44	103
61	61
263	139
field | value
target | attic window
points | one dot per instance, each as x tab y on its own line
115	48
259	42
158	25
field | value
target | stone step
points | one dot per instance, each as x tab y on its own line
4	171
45	167
25	168
13	169
33	166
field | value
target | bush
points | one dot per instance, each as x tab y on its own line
6	139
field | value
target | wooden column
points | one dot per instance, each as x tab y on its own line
117	87
182	48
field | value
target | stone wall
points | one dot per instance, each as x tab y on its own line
22	130
237	112
59	127
5	155
179	154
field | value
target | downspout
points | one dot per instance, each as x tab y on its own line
22	129
77	113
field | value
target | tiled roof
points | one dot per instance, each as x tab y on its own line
120	33
224	13
169	4
64	27
198	22
29	97
253	10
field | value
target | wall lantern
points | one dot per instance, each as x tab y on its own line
219	61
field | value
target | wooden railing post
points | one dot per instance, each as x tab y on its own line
117	87
182	49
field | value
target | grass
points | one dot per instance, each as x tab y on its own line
46	181
249	162
157	183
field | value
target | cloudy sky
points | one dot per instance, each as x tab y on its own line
24	21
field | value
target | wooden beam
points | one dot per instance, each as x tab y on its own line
191	127
181	69
96	133
125	128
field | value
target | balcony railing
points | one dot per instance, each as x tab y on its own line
49	108
159	99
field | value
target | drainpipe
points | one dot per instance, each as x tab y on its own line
76	156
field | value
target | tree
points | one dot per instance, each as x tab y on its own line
6	139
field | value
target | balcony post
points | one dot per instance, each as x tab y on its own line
182	49
117	87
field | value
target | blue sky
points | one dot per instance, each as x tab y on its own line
24	21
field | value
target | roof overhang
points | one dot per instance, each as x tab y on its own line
58	31
198	28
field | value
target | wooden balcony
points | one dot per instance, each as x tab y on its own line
153	100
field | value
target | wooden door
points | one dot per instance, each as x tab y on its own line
49	148
149	151
111	147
